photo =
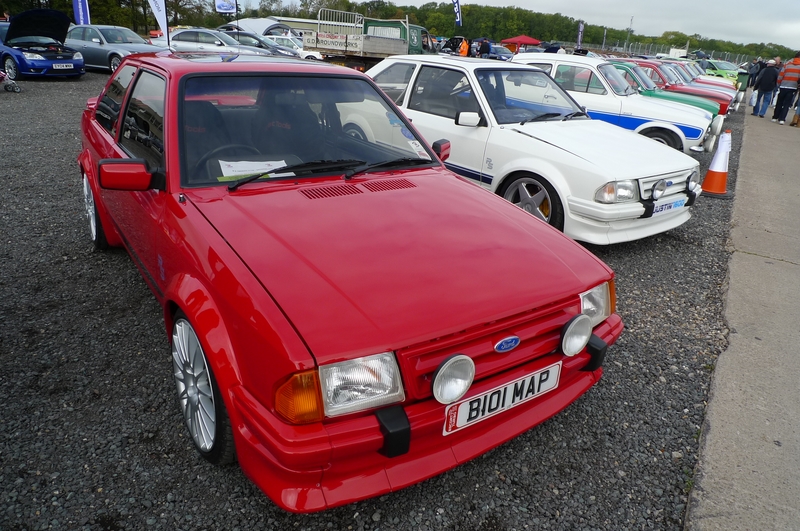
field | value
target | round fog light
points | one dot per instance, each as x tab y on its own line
576	334
659	189
453	378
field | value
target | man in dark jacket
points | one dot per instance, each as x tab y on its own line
753	70
766	83
485	49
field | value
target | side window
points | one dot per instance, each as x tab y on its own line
629	78
109	104
443	92
75	33
578	79
186	36
654	75
143	130
206	38
394	80
544	66
91	33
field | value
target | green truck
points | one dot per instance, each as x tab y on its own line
356	41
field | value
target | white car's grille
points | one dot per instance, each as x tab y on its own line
676	183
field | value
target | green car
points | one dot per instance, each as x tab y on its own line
719	68
639	80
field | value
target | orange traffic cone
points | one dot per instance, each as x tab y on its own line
716	182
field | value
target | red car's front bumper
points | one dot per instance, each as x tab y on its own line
310	468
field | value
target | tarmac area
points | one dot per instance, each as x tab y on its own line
91	437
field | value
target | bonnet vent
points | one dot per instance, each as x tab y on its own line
330	191
384	185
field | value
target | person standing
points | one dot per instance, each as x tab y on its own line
485	49
702	62
463	49
787	83
765	84
753	71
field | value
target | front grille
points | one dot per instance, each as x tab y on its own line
677	179
539	332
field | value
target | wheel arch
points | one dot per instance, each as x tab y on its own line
668	129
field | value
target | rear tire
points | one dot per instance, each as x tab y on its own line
536	196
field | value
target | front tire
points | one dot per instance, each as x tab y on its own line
663	137
536	196
199	397
96	231
114	62
10	66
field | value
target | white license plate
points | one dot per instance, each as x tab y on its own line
62	66
473	410
667	207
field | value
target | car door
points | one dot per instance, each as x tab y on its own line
437	97
92	51
141	136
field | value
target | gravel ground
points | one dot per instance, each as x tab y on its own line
91	436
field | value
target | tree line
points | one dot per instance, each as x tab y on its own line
495	23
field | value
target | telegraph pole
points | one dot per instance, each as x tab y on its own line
629	34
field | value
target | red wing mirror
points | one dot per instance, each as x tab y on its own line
125	174
442	149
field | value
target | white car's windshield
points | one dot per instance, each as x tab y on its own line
237	127
525	95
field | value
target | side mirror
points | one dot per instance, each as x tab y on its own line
218	43
442	149
129	175
468	119
96	40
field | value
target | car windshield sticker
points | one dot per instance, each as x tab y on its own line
233	170
417	147
393	119
406	133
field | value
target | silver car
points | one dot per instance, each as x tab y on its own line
206	40
105	46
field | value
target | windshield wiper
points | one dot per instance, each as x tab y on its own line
573	115
402	161
543	116
314	165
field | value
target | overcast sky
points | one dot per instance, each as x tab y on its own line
741	21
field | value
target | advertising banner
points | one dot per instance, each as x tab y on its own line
224	6
159	8
457	9
81	10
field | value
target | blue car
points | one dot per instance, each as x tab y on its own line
32	45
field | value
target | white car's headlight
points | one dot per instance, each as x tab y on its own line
599	302
78	56
617	192
693	183
359	384
33	56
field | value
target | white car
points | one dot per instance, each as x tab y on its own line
517	133
600	88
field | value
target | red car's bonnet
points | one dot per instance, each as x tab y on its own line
374	265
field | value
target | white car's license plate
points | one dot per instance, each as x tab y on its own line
668	207
473	410
62	66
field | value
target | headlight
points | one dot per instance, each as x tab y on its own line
617	192
693	183
453	378
360	384
599	302
575	334
78	56
33	56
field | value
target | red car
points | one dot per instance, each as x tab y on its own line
667	80
691	74
346	317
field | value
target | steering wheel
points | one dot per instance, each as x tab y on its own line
216	151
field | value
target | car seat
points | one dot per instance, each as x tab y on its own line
286	125
203	131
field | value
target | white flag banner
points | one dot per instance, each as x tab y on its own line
224	6
159	8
